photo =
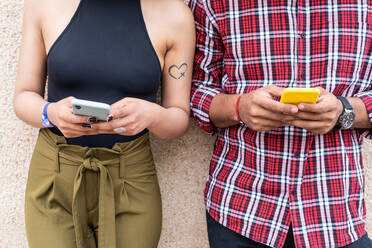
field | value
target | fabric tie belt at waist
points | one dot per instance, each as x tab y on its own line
85	159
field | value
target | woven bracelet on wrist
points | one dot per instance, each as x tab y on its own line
237	107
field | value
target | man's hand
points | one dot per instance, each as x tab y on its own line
321	117
261	112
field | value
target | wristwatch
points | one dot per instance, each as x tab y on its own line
347	117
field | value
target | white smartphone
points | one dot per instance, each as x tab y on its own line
98	110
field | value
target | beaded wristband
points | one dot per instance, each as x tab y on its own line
44	119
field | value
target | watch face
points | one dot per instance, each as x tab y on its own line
347	119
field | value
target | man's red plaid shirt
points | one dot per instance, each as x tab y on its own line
261	182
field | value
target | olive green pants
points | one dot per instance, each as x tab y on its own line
92	197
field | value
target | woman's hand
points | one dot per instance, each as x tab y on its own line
130	116
60	114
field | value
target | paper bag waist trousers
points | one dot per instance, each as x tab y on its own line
92	197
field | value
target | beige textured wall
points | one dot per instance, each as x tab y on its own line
182	164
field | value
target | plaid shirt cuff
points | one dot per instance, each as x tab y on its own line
366	97
200	105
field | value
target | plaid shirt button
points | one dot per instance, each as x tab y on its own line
303	75
297	154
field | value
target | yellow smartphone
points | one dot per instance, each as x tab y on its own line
298	95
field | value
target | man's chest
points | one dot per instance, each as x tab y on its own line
280	15
297	43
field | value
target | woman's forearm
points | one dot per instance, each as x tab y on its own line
169	123
28	106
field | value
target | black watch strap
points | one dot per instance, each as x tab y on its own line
345	102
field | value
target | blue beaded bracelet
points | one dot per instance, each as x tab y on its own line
45	121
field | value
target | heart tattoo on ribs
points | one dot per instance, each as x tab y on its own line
177	72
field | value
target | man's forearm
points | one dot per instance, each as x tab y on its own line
222	111
361	116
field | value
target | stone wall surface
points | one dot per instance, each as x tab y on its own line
182	164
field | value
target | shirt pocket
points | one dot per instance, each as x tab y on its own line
351	63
